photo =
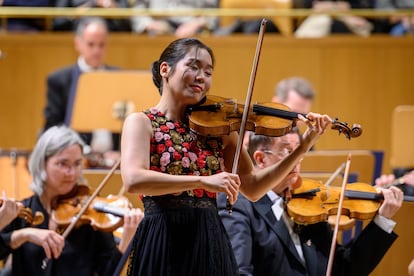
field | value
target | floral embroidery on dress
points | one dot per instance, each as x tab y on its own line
177	150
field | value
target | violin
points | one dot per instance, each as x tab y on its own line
218	116
103	214
27	214
313	202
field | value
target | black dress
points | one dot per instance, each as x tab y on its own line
182	234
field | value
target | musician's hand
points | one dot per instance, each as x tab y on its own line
384	180
224	182
316	126
132	219
51	241
9	210
393	198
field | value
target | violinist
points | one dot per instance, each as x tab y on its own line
179	173
56	168
267	242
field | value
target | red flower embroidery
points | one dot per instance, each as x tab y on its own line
201	162
177	156
186	145
160	148
211	194
164	128
168	143
181	130
198	192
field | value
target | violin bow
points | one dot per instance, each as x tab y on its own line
338	217
247	102
86	206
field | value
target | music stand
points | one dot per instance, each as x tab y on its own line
104	98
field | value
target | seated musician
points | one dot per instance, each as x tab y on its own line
404	182
56	168
267	242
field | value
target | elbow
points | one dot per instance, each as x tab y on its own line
251	195
131	182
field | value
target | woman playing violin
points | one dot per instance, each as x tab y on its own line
267	242
56	168
179	173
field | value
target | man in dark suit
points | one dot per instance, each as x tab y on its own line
266	241
91	39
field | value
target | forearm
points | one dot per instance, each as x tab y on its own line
149	182
18	237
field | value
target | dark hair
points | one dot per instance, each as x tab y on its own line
260	142
175	52
257	142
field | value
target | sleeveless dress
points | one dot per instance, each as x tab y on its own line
182	234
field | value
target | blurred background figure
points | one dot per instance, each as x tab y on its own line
180	26
398	25
295	92
69	24
26	24
322	25
91	40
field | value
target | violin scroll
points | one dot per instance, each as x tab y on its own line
27	214
342	127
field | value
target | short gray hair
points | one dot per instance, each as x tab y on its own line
51	142
86	21
302	86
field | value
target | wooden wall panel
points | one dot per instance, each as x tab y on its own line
357	79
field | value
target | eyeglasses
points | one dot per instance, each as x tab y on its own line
282	153
67	167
